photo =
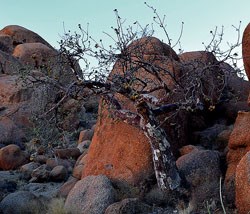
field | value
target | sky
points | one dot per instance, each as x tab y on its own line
49	18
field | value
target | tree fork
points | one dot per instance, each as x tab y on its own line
166	172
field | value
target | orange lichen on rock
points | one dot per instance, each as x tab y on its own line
118	150
242	185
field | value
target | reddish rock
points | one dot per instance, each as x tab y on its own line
246	50
10	133
240	136
19	102
154	52
11	91
118	150
194	63
11	157
77	171
21	35
152	46
239	145
82	159
34	54
85	135
66	187
187	149
68	153
242	185
84	145
204	57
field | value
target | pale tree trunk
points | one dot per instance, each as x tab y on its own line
166	172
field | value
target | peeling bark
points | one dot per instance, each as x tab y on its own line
166	172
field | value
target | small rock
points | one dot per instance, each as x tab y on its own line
53	162
129	206
83	145
157	196
11	157
40	174
68	153
85	135
58	173
187	149
91	195
66	187
28	168
77	171
223	138
81	159
207	137
42	159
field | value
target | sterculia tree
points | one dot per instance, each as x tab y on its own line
149	74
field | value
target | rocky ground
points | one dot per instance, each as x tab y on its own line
93	163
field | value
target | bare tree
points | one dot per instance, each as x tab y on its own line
194	86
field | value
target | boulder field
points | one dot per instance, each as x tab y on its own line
101	164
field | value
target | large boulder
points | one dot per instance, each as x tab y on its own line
151	51
246	50
201	169
21	202
21	35
239	145
25	57
118	150
242	185
34	54
11	157
10	133
44	58
204	65
18	104
12	91
92	195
